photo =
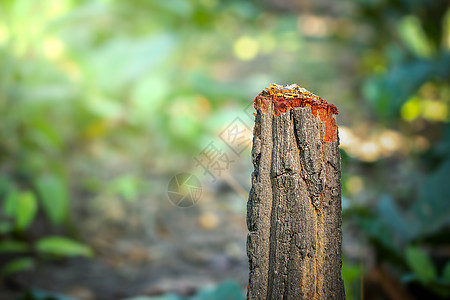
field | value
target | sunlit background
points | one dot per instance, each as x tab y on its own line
102	102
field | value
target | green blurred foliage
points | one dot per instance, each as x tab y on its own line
351	274
53	193
17	265
407	83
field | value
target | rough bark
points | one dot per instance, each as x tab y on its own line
294	209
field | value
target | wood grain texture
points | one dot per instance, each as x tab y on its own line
294	209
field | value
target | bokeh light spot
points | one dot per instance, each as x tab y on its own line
434	110
246	48
410	110
312	26
354	185
346	137
3	34
53	48
389	140
370	151
208	220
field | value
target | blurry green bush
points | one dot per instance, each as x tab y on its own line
408	75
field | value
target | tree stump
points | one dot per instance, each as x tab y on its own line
294	208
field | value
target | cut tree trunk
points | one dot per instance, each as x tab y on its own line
294	208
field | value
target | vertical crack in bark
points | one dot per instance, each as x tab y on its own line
317	256
320	221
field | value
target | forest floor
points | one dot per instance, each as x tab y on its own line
146	247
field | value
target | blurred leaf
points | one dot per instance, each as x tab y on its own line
412	33
25	210
420	263
388	91
379	232
11	203
17	265
61	246
411	109
351	274
54	196
149	93
126	186
13	246
432	209
45	135
391	214
426	216
446	272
